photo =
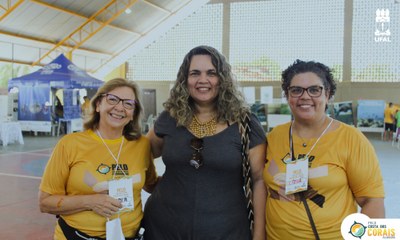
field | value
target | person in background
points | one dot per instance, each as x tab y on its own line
58	109
87	168
342	167
390	123
85	107
397	120
200	195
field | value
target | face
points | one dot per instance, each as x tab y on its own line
115	117
305	107
202	80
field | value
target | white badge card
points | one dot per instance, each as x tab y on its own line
296	176
122	189
114	230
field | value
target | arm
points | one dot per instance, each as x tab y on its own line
257	162
151	177
101	204
156	143
372	207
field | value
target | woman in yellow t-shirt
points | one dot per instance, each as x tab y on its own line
94	178
318	163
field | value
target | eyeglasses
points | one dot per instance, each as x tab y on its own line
197	158
313	91
114	100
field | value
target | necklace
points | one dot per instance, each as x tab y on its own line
116	158
326	129
204	129
304	142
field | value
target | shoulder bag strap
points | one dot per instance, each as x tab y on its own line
310	218
244	129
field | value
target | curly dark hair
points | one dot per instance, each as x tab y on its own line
132	130
230	103
321	70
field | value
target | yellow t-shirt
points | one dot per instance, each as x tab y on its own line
389	114
343	165
81	164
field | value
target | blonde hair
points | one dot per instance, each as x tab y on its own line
132	130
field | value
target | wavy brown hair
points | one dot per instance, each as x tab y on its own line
230	104
132	130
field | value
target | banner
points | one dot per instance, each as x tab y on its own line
32	104
358	226
370	115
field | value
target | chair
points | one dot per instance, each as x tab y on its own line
54	128
394	140
149	123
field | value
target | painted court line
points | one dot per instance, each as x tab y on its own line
33	152
20	176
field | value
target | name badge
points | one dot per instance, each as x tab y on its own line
114	230
122	189
296	176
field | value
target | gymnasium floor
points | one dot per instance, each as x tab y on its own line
21	167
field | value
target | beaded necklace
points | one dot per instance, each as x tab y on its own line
204	129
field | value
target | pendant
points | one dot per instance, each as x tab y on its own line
304	144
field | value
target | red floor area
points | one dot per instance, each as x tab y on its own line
20	217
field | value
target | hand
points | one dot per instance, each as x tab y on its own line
280	178
105	205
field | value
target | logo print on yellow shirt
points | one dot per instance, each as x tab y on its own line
103	169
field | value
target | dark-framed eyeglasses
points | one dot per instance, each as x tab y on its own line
197	159
114	100
313	91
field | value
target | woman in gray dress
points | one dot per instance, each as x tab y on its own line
200	196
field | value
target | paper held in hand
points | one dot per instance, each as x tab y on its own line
296	176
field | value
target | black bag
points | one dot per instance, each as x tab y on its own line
73	234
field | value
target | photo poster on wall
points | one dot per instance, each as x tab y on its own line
343	111
370	115
249	94
266	95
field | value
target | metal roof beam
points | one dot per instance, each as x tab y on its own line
8	8
24	37
88	29
30	63
81	16
17	61
138	40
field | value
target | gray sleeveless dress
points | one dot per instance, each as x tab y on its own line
200	204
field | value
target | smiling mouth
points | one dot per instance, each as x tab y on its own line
117	116
203	89
305	105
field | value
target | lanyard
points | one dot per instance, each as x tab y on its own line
112	154
291	145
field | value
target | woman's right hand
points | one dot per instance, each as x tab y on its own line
100	203
105	205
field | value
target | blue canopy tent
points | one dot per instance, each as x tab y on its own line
35	89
